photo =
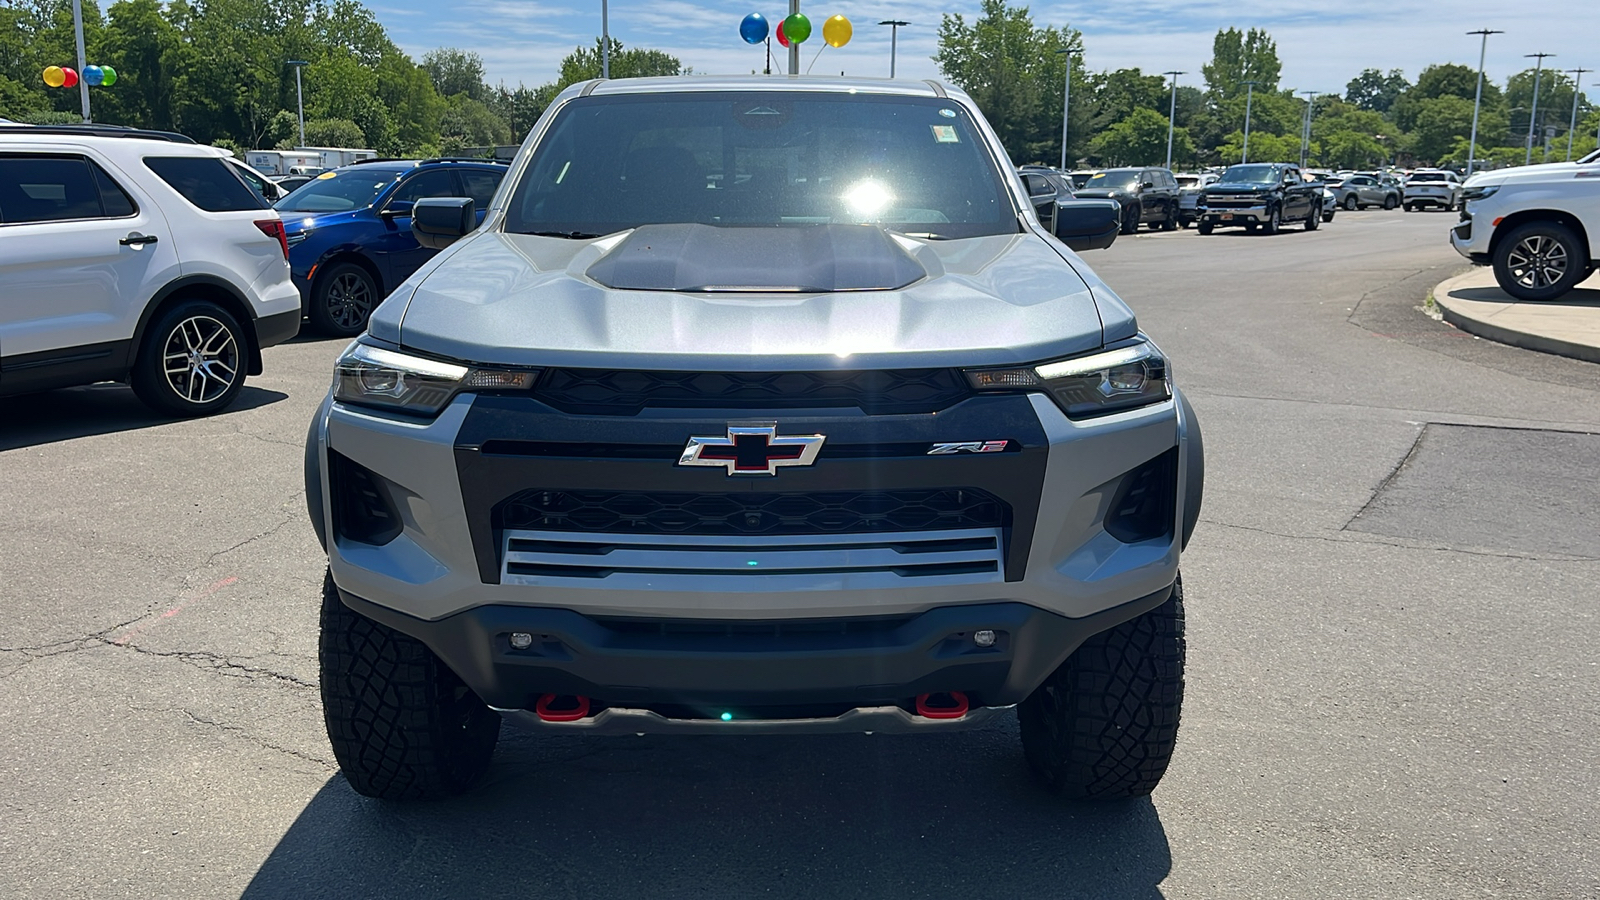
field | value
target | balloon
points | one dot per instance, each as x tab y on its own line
797	27
108	76
782	38
69	77
837	31
753	29
54	77
94	75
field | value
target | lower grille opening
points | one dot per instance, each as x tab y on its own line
363	509
913	571
1143	507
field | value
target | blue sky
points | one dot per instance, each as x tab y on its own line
1322	44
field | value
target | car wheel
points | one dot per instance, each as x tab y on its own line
1327	214
402	724
1130	219
1351	203
1185	221
343	300
1170	221
1313	218
192	361
1408	208
1273	222
1204	227
1390	202
1104	725
1540	261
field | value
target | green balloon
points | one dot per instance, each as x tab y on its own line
797	28
108	76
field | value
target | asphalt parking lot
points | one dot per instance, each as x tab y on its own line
1392	690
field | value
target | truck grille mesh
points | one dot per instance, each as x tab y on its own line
885	392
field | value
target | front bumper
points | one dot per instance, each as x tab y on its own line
1473	235
1236	215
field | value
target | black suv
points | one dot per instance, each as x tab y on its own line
1148	195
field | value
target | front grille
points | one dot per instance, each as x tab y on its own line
1231	202
607	392
827	512
743	562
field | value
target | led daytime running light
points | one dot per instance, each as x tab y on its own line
1087	364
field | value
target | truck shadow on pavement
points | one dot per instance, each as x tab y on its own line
1577	297
817	816
62	415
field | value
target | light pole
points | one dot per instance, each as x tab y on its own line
1305	131
794	45
894	39
1172	113
1577	80
1249	94
1534	112
605	39
1472	142
299	97
77	33
1066	100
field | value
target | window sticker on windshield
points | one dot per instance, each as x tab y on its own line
945	134
948	113
325	175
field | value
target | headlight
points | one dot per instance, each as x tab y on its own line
1478	193
1087	386
373	376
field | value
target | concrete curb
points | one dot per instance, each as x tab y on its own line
1562	330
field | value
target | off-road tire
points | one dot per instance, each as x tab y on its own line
402	725
1104	725
1205	227
169	379
342	300
1351	203
1552	241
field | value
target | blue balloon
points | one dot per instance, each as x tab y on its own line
753	29
93	74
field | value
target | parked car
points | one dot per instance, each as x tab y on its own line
268	189
349	231
1148	195
288	183
1368	189
752	409
1539	226
139	256
1190	185
1080	178
1261	196
1080	224
1432	187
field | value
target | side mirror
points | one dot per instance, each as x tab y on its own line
438	222
396	209
1038	186
1147	185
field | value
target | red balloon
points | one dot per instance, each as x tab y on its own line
782	38
69	77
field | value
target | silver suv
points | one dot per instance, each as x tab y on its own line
753	406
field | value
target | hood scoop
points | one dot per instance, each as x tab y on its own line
808	259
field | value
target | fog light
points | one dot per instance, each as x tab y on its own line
984	638
521	640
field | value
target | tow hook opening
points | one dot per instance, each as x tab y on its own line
561	707
944	705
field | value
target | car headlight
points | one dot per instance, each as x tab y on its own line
1088	386
389	379
1479	193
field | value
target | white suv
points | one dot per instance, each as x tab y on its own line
1431	187
135	255
1539	226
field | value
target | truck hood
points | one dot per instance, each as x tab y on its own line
522	300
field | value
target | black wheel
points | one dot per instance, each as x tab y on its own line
1104	725
1389	202
1314	217
1170	222
1273	222
1204	227
1327	214
343	300
402	725
1130	219
1351	203
192	361
1409	208
1540	261
1185	221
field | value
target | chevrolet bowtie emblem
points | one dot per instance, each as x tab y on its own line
752	450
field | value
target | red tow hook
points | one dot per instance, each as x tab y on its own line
571	708
951	705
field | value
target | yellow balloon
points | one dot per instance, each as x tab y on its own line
54	77
837	31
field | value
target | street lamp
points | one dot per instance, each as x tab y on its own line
1472	143
1172	112
299	96
1066	100
77	33
894	39
1305	130
1249	94
1577	79
1534	112
794	46
605	39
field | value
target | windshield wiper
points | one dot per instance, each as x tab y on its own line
569	235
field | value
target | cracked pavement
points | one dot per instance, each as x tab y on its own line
1382	701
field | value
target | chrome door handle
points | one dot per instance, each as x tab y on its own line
138	239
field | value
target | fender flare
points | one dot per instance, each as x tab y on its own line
238	305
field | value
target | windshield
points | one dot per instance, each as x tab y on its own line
751	158
1188	180
1251	174
1428	176
1113	181
339	191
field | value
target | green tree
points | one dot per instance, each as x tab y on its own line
468	123
455	72
583	64
333	133
1237	57
1439	124
1555	107
1264	147
1373	90
1141	139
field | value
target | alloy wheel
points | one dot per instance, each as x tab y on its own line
200	359
1538	261
349	300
